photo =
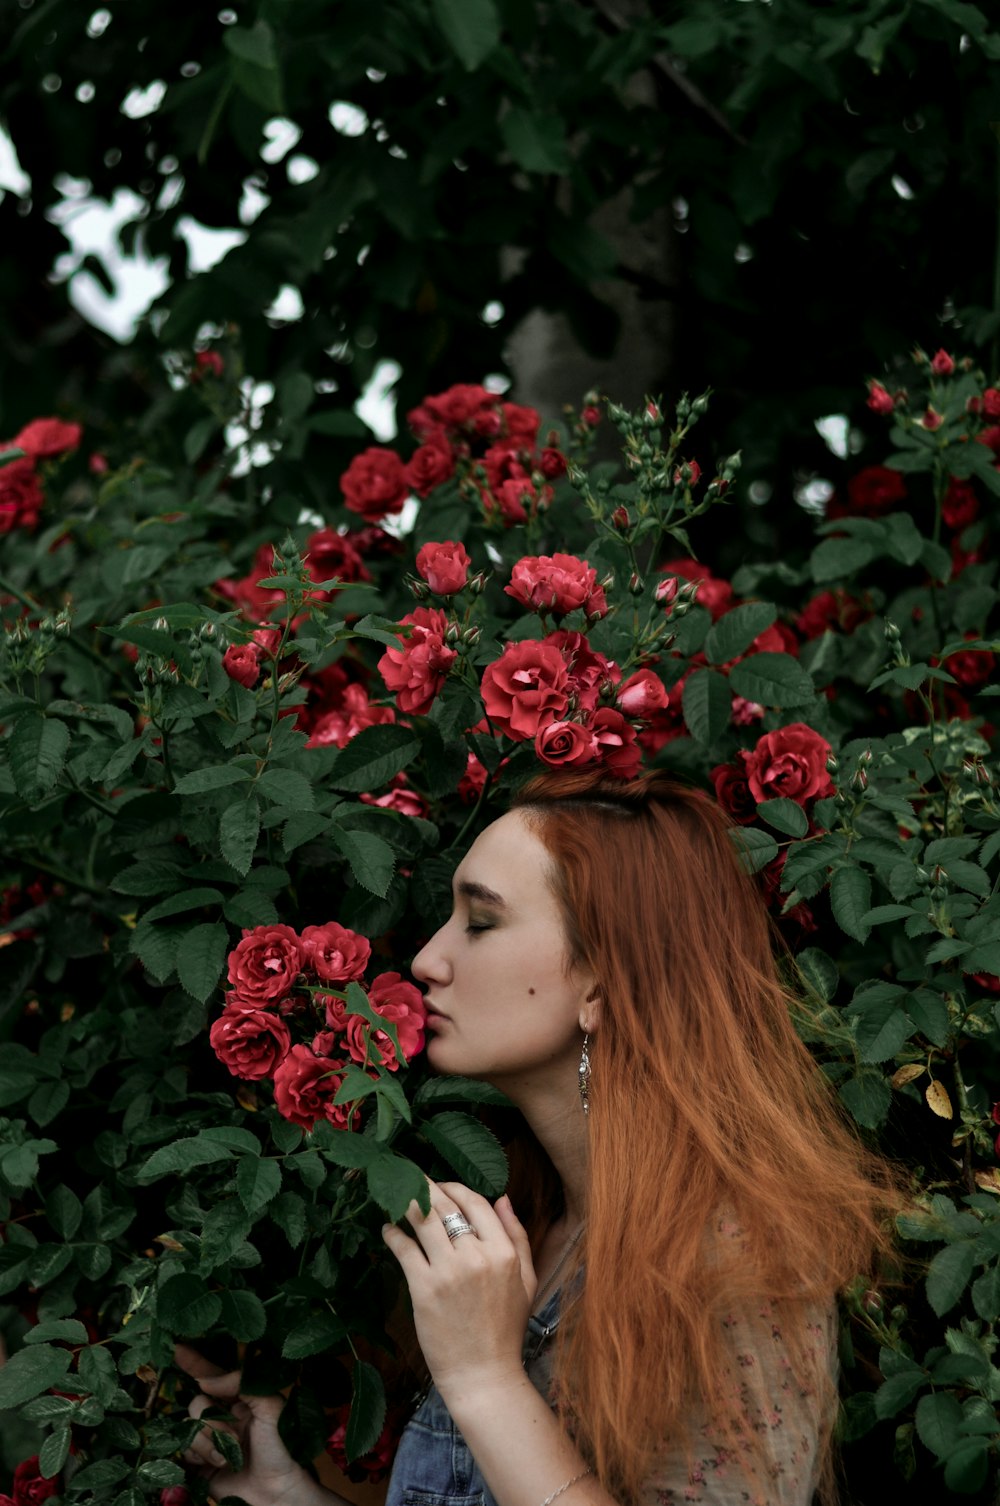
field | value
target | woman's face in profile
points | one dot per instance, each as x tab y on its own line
502	1003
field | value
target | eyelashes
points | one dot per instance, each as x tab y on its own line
474	930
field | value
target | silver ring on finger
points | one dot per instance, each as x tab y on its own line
455	1225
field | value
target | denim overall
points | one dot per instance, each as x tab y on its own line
433	1465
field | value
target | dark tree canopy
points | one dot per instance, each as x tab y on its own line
796	193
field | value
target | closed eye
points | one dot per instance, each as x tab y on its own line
474	930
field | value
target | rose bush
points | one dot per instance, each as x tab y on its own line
238	768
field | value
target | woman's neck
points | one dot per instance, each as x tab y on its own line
558	1123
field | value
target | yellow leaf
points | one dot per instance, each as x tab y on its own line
938	1100
906	1074
247	1098
989	1181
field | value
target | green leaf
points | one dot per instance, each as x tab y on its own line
472	30
868	1097
54	1451
288	1211
785	816
182	1156
58	1330
201	956
367	1416
239	829
64	1211
707	703
948	1275
223	1231
257	1182
36	751
315	1334
470	1149
372	758
756	848
287	788
214	777
819	971
772	680
835	559
881	1031
966	1468
736	630
179	904
459	1090
372	860
850	900
252	44
897	1392
394	1182
243	1316
536	141
986	1294
30	1372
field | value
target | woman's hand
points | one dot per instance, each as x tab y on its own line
471	1296
270	1476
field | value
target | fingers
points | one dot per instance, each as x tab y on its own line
518	1236
193	1363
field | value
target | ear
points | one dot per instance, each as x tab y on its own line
590	1012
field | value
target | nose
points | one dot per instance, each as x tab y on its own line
431	964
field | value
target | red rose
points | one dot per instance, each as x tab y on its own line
828	610
971	667
305	1086
30	1487
417	670
991	402
961	505
21	497
642	694
508	499
732	790
207	362
790	763
250	1042
375	484
336	1014
472	782
264	965
590	416
331	553
444	566
990	438
400	798
879	399
942	364
174	1495
744	713
520	423
45	437
504	462
403	1006
459	406
345	721
267	639
615	744
525	688
874	490
693	473
334	953
242	664
565	745
430	466
557	583
374	1465
552	463
991	983
588	670
254	601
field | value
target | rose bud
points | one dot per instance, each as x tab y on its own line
942	364
879	399
621	520
242	664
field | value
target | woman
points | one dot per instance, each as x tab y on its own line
694	1196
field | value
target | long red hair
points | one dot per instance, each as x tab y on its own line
703	1102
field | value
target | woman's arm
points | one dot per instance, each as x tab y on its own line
471	1301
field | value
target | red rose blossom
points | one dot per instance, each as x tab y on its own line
557	583
375	483
642	694
355	712
429	466
589	671
871	492
416	671
525	688
713	594
250	1042
21	496
879	400
207	362
264	965
242	663
444	566
942	364
732	790
305	1086
400	798
971	667
330	553
565	745
961	505
45	437
615	743
334	953
402	1004
31	1487
790	763
829	610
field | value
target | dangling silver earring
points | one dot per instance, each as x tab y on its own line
584	1077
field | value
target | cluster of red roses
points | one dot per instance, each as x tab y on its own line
468	432
21	496
30	1487
283	982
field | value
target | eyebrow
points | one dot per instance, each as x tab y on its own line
481	893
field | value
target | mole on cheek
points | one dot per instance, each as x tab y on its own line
531	990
